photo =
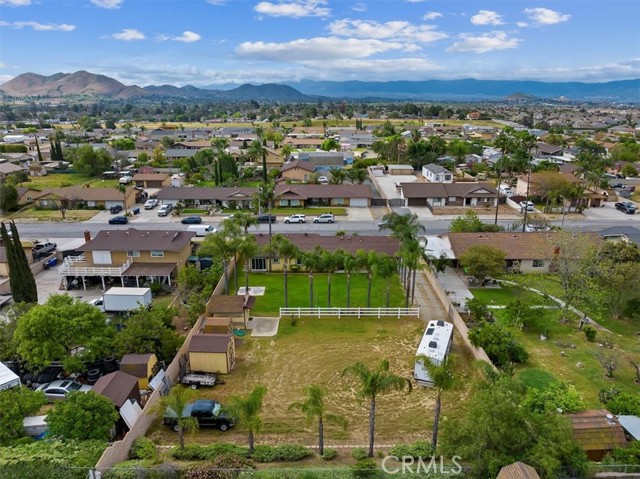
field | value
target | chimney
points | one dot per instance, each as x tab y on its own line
87	236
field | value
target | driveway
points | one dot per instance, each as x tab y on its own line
387	184
609	212
48	283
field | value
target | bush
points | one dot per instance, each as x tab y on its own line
419	449
225	466
283	453
499	343
190	452
590	333
143	448
556	395
625	404
329	454
364	468
359	454
156	288
630	455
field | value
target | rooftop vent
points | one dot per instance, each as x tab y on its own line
433	344
440	323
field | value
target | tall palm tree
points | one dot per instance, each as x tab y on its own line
247	409
247	249
385	268
123	191
366	261
349	265
331	262
258	151
176	401
312	261
266	196
221	245
411	252
402	226
356	175
338	175
442	376
372	383
286	251
313	407
243	219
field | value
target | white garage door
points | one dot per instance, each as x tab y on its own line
359	202
109	204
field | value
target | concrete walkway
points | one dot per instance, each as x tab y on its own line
431	308
263	326
457	289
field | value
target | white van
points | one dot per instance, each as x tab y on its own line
505	190
201	230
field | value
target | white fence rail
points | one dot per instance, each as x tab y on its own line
357	312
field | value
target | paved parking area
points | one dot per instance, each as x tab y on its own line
387	184
48	283
609	212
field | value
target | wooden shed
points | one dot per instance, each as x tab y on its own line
597	432
212	353
219	325
518	470
142	366
118	386
238	308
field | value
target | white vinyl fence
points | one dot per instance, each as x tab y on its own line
357	312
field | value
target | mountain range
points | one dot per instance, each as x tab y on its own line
90	84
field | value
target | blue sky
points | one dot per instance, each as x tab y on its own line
203	42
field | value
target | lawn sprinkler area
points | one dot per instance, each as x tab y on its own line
253	291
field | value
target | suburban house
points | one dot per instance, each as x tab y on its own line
437	174
538	183
129	255
325	160
306	242
544	149
449	194
27	246
7	169
236	307
303	142
296	170
212	353
400	169
524	252
152	180
141	366
621	233
597	432
75	196
518	470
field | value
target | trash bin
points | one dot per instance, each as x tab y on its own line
136	211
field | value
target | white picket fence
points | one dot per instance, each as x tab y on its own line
357	312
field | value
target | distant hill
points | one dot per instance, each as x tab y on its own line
66	84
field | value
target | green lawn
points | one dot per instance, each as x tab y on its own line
193	211
312	211
506	294
57	180
273	299
53	215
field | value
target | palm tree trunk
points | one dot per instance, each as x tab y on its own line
269	213
181	436
413	287
226	277
235	273
387	294
320	436
311	290
436	420
328	290
407	290
372	424
369	290
251	441
348	290
286	289
246	277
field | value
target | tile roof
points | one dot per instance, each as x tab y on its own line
138	240
210	343
350	244
597	430
117	387
442	190
535	245
518	470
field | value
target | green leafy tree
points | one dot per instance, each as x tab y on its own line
441	375
223	245
8	197
555	396
242	219
15	404
370	384
88	161
21	280
499	343
8	328
470	223
176	401
314	408
519	313
124	144
496	430
82	416
481	261
247	409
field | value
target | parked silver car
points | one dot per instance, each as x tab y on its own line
325	218
60	388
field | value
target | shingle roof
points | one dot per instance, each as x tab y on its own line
232	304
597	430
434	168
116	386
303	165
535	245
442	190
150	177
210	343
136	364
138	240
518	470
350	244
230	193
8	168
88	194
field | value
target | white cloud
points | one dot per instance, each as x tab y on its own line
217	3
294	8
484	43
108	4
325	48
15	3
487	17
129	34
431	15
545	16
394	30
359	7
2	65
522	24
41	27
416	1
188	37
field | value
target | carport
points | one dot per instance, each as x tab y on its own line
159	271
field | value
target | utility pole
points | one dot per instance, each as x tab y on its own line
526	202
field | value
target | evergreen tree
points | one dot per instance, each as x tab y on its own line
21	281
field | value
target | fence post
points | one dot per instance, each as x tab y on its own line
379	313
358	312
339	309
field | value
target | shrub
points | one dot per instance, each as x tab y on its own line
283	453
143	448
156	288
630	455
329	454
624	403
225	466
556	395
499	343
364	468
190	452
590	333
359	454
419	449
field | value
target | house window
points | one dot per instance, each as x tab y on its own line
29	198
258	264
275	260
133	254
338	201
538	263
157	254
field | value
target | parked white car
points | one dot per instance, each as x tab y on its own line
150	204
323	180
125	180
528	205
60	388
325	218
165	210
295	219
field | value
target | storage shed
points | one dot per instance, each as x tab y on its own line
8	378
518	470
118	386
212	353
237	308
597	432
219	325
142	366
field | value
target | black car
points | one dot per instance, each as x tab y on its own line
115	209
191	220
207	412
626	207
118	220
266	218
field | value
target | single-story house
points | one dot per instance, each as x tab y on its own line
100	198
7	169
437	174
597	432
621	233
325	160
152	180
212	353
533	252
545	149
297	170
535	185
303	142
130	254
141	366
518	470
236	307
449	194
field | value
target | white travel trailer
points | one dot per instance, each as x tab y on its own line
435	345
